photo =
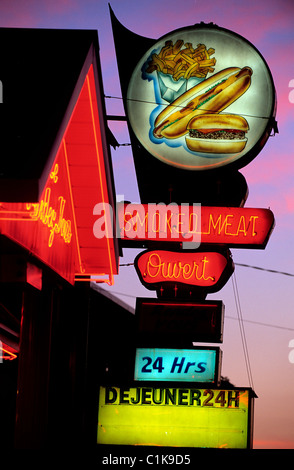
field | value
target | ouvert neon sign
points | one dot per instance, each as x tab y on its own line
193	268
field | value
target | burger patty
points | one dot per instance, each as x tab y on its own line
220	134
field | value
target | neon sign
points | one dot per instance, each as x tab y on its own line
192	268
58	228
7	353
53	219
160	222
231	226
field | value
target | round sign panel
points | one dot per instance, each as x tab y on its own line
202	98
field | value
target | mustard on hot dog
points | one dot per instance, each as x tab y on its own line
211	96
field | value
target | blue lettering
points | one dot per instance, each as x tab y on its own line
177	364
201	367
189	364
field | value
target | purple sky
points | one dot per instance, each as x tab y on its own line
265	298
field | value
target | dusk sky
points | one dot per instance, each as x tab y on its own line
266	297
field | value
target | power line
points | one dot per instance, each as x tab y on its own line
274	271
262	324
242	330
269	325
176	106
265	269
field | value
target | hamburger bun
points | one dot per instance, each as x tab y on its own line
217	133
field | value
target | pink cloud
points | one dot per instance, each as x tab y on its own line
32	13
268	444
290	201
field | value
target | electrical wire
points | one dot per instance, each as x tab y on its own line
268	325
274	271
176	106
264	269
242	331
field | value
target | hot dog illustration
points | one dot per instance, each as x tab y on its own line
217	133
212	95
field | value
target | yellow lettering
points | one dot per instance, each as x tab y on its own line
216	224
254	217
242	226
193	226
175	270
44	212
228	224
142	222
127	221
154	262
156	223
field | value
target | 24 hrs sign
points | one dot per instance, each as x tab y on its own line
184	365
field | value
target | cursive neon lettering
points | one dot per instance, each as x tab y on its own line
174	270
51	218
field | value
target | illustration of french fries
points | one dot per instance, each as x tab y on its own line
183	62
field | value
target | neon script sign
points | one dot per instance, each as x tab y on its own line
192	268
51	217
231	226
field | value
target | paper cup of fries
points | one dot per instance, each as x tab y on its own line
180	66
171	89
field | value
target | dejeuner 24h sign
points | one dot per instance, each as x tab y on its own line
202	98
171	416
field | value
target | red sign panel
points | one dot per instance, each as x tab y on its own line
203	269
46	228
230	226
58	229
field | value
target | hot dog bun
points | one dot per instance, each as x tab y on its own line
217	133
210	96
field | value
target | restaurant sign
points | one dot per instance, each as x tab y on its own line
230	226
200	365
201	98
175	417
202	269
162	321
58	228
